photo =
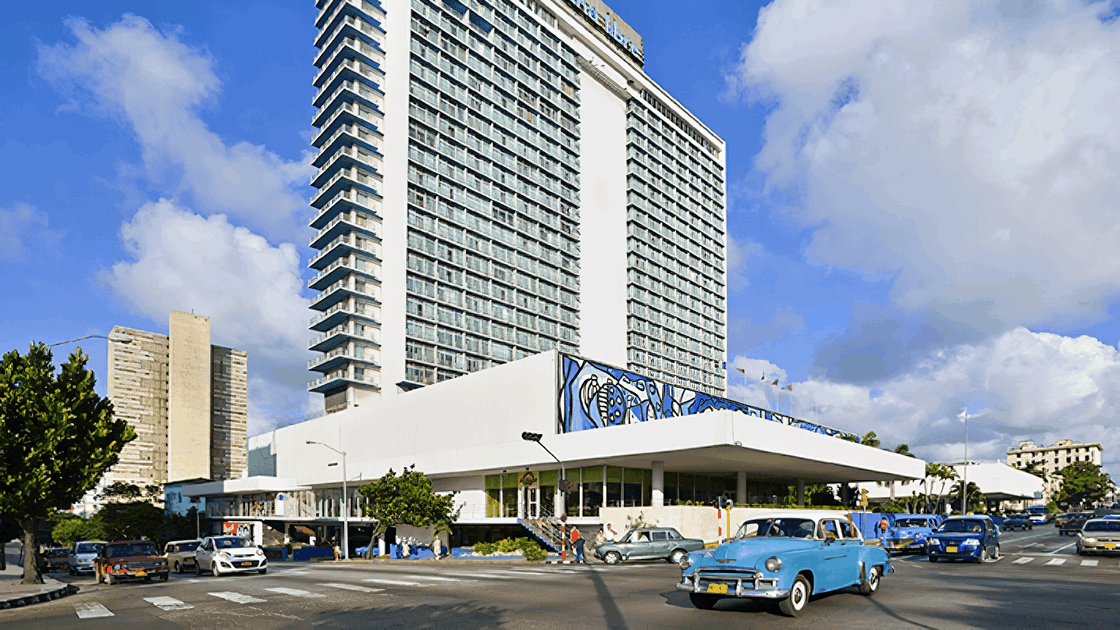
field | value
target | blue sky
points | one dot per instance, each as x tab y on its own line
922	198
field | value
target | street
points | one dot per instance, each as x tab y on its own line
1039	582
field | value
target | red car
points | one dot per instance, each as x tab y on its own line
129	560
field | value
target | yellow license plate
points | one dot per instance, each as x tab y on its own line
717	588
140	574
950	550
1109	545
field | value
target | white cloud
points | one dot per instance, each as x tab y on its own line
183	261
1026	385
156	85
739	262
969	147
22	227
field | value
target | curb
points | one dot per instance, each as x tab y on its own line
38	597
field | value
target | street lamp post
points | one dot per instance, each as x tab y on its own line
345	503
964	485
561	485
118	339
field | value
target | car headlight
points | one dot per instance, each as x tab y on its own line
1091	541
223	555
773	564
933	542
686	562
971	542
116	567
259	552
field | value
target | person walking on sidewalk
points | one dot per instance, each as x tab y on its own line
578	542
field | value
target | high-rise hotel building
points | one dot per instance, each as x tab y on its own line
499	178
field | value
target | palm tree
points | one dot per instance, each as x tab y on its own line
976	501
938	473
869	439
903	449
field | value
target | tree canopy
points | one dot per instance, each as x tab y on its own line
57	438
1084	482
407	499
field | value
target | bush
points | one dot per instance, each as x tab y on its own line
529	548
484	549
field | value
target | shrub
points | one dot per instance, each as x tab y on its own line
531	550
484	548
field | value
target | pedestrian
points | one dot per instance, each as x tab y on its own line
577	542
337	551
611	534
600	538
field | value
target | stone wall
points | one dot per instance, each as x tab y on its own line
692	521
137	386
228	413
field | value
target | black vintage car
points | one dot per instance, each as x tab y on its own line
1073	524
1020	522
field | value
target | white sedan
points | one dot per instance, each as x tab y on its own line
229	554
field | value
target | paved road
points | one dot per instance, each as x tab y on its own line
1039	592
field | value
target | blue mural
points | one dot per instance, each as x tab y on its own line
593	395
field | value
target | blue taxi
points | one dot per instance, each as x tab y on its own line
969	537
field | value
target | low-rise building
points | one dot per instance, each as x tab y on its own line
1004	487
1051	459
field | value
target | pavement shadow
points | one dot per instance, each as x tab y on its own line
611	614
463	615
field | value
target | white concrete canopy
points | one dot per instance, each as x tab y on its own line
245	485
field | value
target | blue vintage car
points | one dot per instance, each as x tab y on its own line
908	533
785	557
970	537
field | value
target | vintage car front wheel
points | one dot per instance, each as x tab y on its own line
797	598
871	582
702	601
677	556
612	557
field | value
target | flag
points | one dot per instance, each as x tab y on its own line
763	377
775	383
963	415
789	388
741	371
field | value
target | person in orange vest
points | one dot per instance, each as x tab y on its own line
577	543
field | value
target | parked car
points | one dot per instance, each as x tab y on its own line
971	537
1021	522
909	532
786	557
648	543
180	554
229	554
82	555
129	560
1099	535
1073	523
54	558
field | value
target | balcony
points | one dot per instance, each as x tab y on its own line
340	380
338	357
343	268
337	336
346	8
352	177
347	157
343	204
342	91
350	49
338	314
348	135
346	223
336	293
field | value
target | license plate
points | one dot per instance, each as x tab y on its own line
1110	545
950	550
244	564
140	574
717	588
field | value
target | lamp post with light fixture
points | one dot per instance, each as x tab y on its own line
561	485
345	502
118	339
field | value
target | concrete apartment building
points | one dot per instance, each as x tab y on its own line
499	179
1051	459
186	400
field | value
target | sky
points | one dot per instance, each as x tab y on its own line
922	199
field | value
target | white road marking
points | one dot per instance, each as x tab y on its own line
393	582
294	592
167	603
532	572
351	587
1023	561
1055	552
89	611
434	577
492	576
238	598
1088	563
1029	545
1055	562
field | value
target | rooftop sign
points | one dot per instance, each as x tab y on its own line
616	29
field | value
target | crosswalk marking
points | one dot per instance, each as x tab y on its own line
435	577
493	576
351	587
532	572
1055	562
393	582
239	598
1023	561
1088	563
167	603
294	592
89	611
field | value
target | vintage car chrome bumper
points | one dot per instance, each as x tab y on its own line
738	584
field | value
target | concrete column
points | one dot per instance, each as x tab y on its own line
800	493
741	487
657	495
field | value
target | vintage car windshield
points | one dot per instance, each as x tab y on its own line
88	547
232	542
912	522
962	527
188	546
776	528
136	549
1102	526
57	553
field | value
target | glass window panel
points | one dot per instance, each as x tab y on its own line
549	477
614	474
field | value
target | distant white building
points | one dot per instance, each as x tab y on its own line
1051	459
997	482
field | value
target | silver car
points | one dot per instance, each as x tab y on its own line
221	555
649	543
81	556
1099	535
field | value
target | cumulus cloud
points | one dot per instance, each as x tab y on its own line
739	256
1018	385
156	85
969	149
21	227
183	261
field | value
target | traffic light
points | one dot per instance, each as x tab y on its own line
565	486
863	497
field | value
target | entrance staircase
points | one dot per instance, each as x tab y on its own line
546	529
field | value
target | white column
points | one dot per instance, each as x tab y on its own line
741	487
658	490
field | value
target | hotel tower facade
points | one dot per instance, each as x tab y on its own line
501	178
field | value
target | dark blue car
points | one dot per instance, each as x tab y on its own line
965	538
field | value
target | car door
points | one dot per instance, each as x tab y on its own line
833	557
659	544
640	544
204	553
991	538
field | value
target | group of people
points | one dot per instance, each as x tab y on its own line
607	534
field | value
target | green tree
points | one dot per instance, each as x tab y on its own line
1084	482
903	449
407	499
57	438
939	476
976	502
130	521
120	491
69	529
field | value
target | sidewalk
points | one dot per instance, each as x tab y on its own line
13	594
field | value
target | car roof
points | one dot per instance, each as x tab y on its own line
96	542
179	542
965	517
131	542
815	514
